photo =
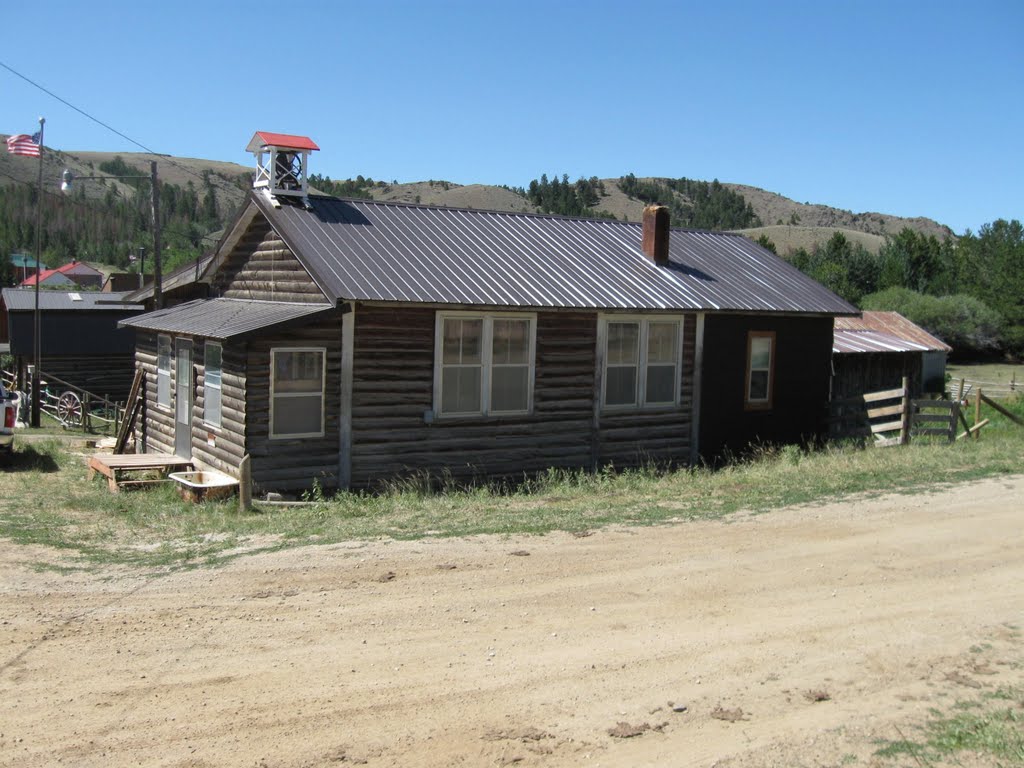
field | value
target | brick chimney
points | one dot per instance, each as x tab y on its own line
655	241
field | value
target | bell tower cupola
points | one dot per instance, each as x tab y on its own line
282	163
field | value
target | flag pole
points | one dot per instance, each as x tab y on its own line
36	334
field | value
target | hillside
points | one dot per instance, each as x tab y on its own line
789	224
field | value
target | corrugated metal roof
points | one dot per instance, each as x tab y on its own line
224	318
883	332
373	251
22	299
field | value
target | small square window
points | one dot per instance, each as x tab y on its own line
297	392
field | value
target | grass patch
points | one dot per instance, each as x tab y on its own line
985	726
45	500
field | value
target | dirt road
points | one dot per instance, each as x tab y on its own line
793	638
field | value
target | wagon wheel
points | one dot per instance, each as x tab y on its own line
69	409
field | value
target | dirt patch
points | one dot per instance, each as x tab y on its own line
824	628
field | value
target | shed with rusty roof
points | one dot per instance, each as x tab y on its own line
875	351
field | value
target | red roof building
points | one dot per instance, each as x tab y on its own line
74	273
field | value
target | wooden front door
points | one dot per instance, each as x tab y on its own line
183	398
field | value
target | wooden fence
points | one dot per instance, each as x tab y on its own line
892	417
70	406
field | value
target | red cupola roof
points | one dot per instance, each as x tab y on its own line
263	139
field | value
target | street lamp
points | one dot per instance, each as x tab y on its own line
65	186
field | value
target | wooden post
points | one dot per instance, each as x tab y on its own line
244	485
977	412
905	407
960	394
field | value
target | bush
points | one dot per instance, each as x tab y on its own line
965	323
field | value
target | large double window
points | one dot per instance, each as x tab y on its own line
642	361
483	364
297	392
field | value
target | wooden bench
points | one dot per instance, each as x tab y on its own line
120	469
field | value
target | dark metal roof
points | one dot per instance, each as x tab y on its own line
24	299
180	277
883	332
224	318
373	251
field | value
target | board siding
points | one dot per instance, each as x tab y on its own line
802	368
102	375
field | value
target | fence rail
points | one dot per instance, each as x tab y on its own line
891	417
71	406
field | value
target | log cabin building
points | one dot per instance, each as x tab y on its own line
351	341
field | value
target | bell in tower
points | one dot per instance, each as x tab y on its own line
282	163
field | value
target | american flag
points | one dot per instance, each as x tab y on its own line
23	144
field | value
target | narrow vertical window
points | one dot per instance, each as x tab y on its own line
623	364
163	371
510	365
760	369
212	384
662	363
461	365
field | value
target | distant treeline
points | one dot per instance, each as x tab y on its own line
967	291
111	229
358	187
567	198
705	205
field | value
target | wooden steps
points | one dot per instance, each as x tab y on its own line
121	469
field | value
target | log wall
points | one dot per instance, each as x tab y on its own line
292	464
262	267
220	447
393	374
659	436
158	423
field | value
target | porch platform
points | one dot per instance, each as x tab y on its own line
119	469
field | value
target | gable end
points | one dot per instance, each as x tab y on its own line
260	266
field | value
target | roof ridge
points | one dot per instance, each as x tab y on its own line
527	214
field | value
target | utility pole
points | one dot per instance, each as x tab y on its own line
158	297
38	346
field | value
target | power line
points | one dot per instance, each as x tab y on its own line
96	120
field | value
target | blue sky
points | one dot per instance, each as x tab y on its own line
908	108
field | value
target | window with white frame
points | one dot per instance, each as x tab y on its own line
212	383
163	371
760	369
642	361
297	392
483	363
